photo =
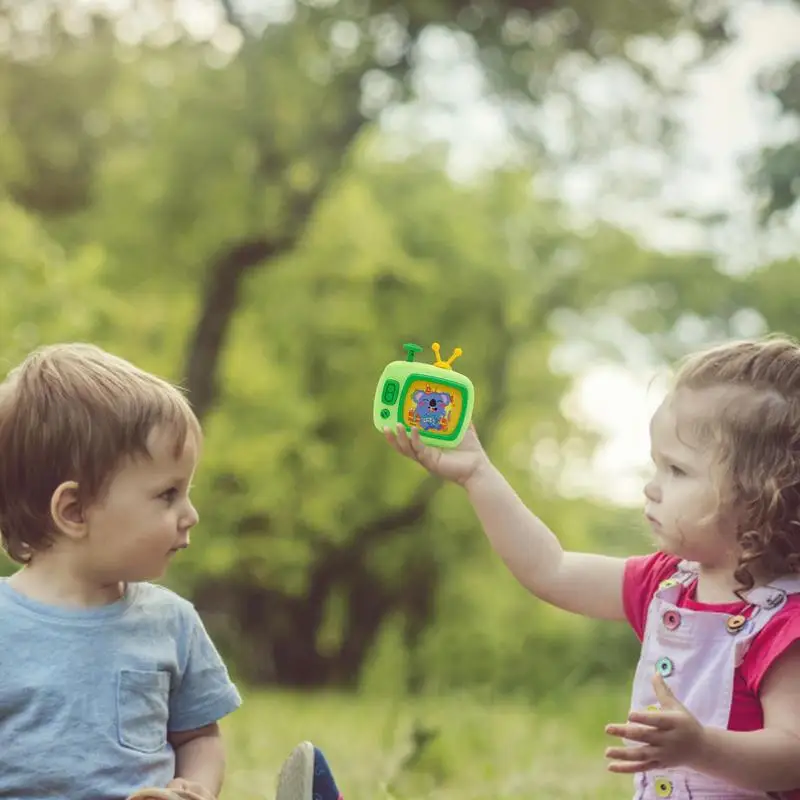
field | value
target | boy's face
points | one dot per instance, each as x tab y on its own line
145	516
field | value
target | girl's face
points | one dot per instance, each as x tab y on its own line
682	498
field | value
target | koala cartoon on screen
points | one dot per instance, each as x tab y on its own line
431	409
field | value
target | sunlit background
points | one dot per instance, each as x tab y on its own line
264	200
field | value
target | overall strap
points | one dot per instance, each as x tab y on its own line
766	601
774	594
685	570
685	573
669	588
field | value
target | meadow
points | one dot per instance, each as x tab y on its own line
437	749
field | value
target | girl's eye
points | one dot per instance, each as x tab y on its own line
676	471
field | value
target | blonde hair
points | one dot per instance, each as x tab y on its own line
756	429
73	412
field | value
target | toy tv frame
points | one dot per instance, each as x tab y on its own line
395	384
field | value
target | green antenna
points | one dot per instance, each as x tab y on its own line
411	349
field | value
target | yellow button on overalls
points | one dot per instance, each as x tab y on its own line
663	787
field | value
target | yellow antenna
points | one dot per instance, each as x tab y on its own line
436	347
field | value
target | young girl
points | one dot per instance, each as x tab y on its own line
715	709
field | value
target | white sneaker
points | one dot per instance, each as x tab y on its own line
305	775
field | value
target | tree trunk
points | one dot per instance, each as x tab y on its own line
278	640
219	303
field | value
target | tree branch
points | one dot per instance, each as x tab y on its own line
388	523
226	272
219	303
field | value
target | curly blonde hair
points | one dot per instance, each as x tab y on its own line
756	429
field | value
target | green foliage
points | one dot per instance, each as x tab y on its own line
490	637
224	217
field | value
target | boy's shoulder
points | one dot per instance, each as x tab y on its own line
155	602
153	595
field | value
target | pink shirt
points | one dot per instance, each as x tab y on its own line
642	576
641	579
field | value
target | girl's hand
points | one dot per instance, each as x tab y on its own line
670	737
458	464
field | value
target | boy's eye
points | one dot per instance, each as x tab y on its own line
170	494
676	471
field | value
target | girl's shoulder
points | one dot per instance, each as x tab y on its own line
641	578
771	642
657	565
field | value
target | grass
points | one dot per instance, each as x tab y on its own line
480	752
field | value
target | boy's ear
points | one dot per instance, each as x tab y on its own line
67	511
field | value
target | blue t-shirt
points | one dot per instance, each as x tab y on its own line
87	696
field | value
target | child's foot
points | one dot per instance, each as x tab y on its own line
305	775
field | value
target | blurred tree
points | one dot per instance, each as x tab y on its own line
152	169
778	175
299	87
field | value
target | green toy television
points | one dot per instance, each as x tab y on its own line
433	398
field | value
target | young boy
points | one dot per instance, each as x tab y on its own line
108	683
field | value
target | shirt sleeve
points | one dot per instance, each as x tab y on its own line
639	583
777	636
204	692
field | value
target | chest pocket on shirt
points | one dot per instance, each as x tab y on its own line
143	709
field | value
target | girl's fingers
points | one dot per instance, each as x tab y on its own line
635	753
409	446
416	445
398	439
635	733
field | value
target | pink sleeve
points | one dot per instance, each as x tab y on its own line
639	583
780	633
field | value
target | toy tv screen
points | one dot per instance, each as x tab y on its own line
434	408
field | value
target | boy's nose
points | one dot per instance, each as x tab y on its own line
191	518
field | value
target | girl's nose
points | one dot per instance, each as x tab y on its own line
652	491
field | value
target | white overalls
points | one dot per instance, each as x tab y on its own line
697	653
